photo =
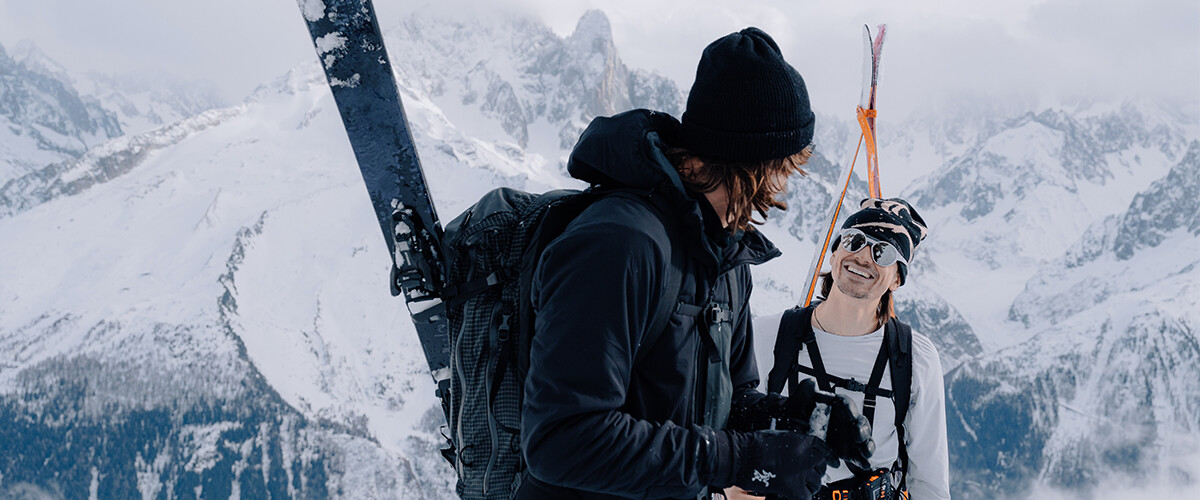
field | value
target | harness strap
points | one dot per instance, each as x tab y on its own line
881	361
849	384
814	353
900	343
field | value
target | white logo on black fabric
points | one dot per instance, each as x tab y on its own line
763	477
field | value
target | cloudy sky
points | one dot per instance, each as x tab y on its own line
1041	49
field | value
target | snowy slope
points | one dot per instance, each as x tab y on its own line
140	299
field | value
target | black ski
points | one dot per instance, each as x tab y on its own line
350	47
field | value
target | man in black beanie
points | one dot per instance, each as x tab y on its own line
617	405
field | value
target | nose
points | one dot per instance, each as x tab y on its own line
865	262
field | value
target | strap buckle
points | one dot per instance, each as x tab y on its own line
717	314
856	386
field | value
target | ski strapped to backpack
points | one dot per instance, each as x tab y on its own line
895	352
350	46
492	251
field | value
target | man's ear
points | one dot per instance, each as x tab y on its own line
895	282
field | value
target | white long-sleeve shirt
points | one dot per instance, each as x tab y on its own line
925	424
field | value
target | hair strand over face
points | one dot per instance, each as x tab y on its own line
753	187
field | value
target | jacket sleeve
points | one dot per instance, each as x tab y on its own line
594	292
928	448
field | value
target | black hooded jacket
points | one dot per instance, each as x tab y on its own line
596	424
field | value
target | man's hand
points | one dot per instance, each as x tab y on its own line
784	463
849	434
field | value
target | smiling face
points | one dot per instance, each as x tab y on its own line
858	277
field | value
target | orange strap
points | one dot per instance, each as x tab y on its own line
812	283
872	156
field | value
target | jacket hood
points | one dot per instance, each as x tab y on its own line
626	150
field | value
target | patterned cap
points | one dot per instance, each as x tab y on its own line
892	220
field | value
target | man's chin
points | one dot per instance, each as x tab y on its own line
853	292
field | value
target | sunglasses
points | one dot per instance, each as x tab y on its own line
883	253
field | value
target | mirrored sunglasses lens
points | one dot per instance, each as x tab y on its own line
853	242
884	254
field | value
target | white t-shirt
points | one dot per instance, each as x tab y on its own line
925	424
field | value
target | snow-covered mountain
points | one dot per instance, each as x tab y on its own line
1024	191
537	90
43	119
141	101
50	115
144	102
1107	391
200	309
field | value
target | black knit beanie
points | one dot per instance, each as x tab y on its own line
747	103
892	220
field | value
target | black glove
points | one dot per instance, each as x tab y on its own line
849	434
844	428
753	411
800	406
784	463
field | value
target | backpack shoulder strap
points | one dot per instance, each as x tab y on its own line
786	351
796	324
666	304
900	362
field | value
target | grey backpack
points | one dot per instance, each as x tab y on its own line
491	252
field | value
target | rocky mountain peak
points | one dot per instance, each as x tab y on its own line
517	72
594	31
1170	204
28	54
48	118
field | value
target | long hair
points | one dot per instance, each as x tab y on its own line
886	308
753	187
